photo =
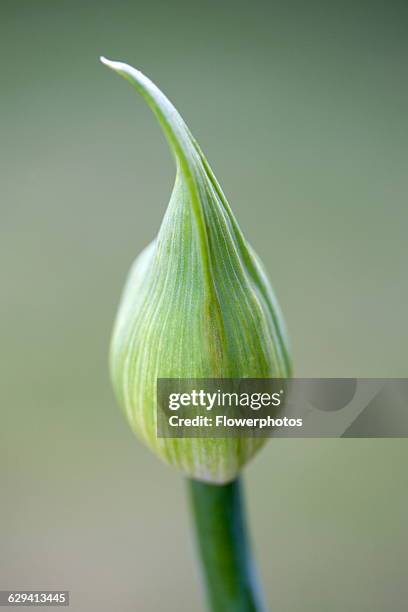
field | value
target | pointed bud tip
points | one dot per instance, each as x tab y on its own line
121	68
107	62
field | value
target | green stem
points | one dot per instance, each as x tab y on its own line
226	559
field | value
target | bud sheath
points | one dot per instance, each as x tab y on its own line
197	304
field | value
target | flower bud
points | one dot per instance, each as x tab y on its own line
197	304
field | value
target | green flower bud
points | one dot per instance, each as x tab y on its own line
197	304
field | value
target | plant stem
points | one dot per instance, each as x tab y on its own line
226	559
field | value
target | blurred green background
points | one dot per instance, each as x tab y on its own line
301	109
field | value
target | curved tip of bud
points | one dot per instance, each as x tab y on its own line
121	68
104	60
114	65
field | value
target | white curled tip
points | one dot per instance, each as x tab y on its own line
110	63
